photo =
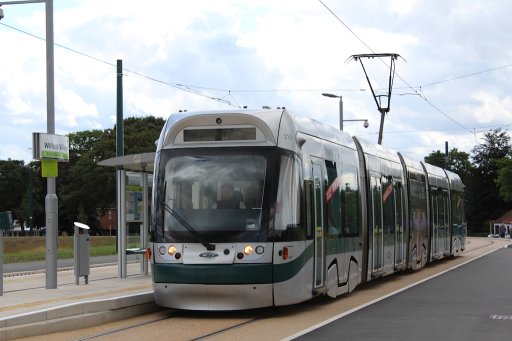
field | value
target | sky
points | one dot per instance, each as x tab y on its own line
452	81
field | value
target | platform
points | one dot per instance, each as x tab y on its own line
27	308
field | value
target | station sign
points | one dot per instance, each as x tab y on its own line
50	147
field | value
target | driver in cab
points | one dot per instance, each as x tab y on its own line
229	198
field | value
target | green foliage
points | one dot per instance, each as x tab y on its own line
504	180
13	185
90	189
458	162
486	156
83	187
484	201
141	134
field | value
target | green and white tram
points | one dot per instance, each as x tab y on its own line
257	208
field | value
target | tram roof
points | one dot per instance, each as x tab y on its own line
273	120
378	150
434	170
324	131
455	181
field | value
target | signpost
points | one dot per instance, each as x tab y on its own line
51	149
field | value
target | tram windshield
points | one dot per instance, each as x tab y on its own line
211	195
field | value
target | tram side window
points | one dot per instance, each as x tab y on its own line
332	199
418	218
399	206
350	202
287	223
441	207
457	209
388	200
343	204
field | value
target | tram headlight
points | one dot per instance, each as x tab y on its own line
171	250
248	250
260	249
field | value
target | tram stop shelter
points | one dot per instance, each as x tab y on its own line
132	202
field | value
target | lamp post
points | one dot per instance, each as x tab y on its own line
341	106
51	200
365	124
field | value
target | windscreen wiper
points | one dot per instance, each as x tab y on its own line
182	221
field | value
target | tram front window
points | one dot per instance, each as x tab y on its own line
212	197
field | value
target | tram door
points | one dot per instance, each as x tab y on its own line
399	230
444	220
318	204
434	208
440	234
377	230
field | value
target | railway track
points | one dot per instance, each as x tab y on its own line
213	325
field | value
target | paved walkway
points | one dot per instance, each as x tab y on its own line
28	308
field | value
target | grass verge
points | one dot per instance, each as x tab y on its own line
30	249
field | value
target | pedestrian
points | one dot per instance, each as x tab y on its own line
502	230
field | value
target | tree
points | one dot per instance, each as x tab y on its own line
504	180
83	185
12	187
484	201
141	134
86	188
458	162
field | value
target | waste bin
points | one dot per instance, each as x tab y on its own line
81	252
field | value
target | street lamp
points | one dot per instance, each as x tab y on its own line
51	200
365	124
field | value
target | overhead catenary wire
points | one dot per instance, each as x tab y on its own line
190	88
402	79
467	75
229	92
174	85
479	130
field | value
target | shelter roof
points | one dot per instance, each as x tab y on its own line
133	162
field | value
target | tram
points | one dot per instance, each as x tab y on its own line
258	208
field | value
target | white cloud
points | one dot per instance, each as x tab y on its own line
265	45
70	107
492	108
402	7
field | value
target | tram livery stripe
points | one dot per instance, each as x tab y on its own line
230	273
285	271
213	274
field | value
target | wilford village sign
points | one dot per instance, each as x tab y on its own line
50	149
